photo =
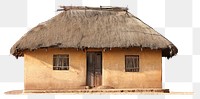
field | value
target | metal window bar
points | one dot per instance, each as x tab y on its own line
61	62
132	63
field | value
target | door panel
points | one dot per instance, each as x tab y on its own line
94	69
90	70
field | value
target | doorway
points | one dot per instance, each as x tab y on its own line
94	69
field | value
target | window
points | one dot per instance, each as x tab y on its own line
60	62
132	63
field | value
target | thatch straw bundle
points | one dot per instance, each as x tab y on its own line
84	27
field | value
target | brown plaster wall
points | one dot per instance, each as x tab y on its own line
39	73
149	76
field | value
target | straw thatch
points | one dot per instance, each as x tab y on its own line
86	27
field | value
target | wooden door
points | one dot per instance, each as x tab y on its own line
94	69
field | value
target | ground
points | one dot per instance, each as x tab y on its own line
99	91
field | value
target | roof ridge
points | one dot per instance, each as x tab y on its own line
110	8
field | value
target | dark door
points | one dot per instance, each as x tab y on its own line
94	69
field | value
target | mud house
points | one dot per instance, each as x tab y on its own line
92	46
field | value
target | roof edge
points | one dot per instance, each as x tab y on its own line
168	52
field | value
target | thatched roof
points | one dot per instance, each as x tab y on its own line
86	27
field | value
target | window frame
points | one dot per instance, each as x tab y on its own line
59	60
132	68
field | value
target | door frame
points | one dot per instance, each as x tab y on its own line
87	66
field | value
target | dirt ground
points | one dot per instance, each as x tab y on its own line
21	92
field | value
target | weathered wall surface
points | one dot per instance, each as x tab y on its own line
39	73
150	75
